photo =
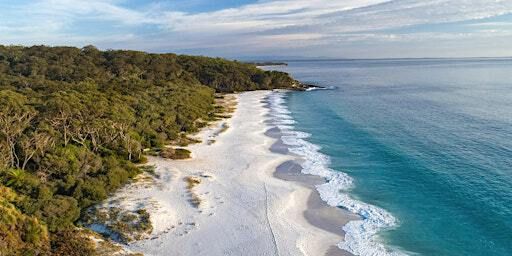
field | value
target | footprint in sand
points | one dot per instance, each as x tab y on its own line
189	227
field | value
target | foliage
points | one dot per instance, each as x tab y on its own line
230	76
60	212
175	153
20	234
73	123
121	225
71	242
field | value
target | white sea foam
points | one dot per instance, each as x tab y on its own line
293	138
285	127
280	110
284	122
279	116
315	88
361	235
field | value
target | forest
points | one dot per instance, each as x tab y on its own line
74	123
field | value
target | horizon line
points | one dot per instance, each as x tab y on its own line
357	59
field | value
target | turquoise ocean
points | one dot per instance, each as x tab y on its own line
423	148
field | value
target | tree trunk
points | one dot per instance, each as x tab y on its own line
66	140
27	159
11	151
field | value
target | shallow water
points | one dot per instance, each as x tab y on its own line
427	141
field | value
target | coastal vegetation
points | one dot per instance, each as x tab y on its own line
192	182
122	225
75	122
175	153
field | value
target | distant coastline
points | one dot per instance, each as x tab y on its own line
267	63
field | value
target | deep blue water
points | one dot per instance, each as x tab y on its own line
430	141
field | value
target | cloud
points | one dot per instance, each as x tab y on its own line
69	10
269	25
491	24
263	16
335	16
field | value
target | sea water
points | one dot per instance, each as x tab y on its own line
420	149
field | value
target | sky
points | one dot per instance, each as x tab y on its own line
267	28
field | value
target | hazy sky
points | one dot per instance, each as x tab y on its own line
229	28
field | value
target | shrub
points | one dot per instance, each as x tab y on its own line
176	154
19	233
60	212
71	242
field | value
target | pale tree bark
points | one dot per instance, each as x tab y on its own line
77	130
35	144
5	157
12	125
131	145
62	122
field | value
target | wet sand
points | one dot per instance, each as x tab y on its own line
246	206
318	213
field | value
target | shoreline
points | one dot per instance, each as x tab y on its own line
246	202
317	212
360	233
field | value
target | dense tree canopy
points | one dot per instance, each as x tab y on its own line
74	121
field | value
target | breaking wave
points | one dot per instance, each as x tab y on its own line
360	235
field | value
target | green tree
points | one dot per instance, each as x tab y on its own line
15	117
73	123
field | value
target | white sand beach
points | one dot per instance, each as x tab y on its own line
245	208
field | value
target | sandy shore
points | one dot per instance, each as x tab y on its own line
250	198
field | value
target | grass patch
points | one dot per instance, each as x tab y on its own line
224	106
183	140
118	224
175	153
150	169
192	182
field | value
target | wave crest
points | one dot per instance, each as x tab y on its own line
360	235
